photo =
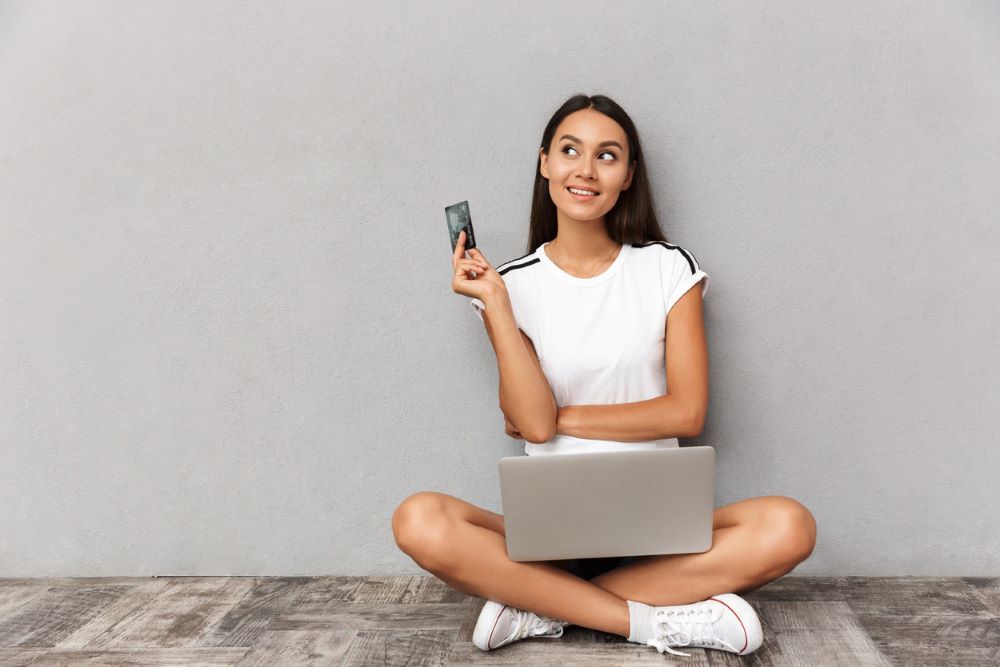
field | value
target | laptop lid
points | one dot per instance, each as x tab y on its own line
602	504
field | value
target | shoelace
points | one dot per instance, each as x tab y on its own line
526	627
677	630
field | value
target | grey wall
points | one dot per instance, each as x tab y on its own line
227	335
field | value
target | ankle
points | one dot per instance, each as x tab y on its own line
640	622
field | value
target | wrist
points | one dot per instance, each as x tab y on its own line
563	416
496	295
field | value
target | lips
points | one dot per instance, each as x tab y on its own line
589	190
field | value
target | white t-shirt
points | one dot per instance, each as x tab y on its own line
600	340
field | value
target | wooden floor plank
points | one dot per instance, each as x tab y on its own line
203	657
330	590
251	616
420	648
824	648
55	614
424	616
146	592
13	596
474	605
896	630
935	655
552	652
185	610
404	590
17	657
987	591
909	596
417	619
66	582
802	588
299	647
827	615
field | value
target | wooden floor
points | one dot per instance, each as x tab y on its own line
418	620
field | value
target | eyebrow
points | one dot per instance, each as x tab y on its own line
603	143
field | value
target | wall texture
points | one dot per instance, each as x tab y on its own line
227	335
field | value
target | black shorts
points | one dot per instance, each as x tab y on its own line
588	568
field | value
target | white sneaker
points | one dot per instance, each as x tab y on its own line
726	622
501	624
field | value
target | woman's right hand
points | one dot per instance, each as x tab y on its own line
487	280
511	430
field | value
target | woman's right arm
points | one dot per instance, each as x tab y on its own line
526	398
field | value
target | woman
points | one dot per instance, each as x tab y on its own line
609	305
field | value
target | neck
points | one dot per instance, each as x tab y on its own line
583	244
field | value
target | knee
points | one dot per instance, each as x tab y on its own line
420	528
788	534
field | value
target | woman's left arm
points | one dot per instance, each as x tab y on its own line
653	419
678	413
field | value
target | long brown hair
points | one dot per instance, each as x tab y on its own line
632	219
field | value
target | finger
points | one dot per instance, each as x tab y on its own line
459	247
466	265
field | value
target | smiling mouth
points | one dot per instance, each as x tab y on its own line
589	194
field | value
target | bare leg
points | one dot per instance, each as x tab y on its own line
754	541
435	530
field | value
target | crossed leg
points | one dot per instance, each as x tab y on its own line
754	541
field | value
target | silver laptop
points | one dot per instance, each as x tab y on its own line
604	504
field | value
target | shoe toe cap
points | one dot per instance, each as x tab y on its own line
493	624
742	623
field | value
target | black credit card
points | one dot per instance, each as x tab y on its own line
459	219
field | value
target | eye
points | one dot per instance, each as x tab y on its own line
567	148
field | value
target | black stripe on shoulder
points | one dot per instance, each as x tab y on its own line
510	266
511	261
688	255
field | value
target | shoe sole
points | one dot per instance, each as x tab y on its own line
747	617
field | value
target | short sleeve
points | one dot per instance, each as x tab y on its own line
518	303
679	272
478	306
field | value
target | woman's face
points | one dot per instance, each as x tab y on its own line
589	150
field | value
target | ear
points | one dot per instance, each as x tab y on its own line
544	166
631	173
